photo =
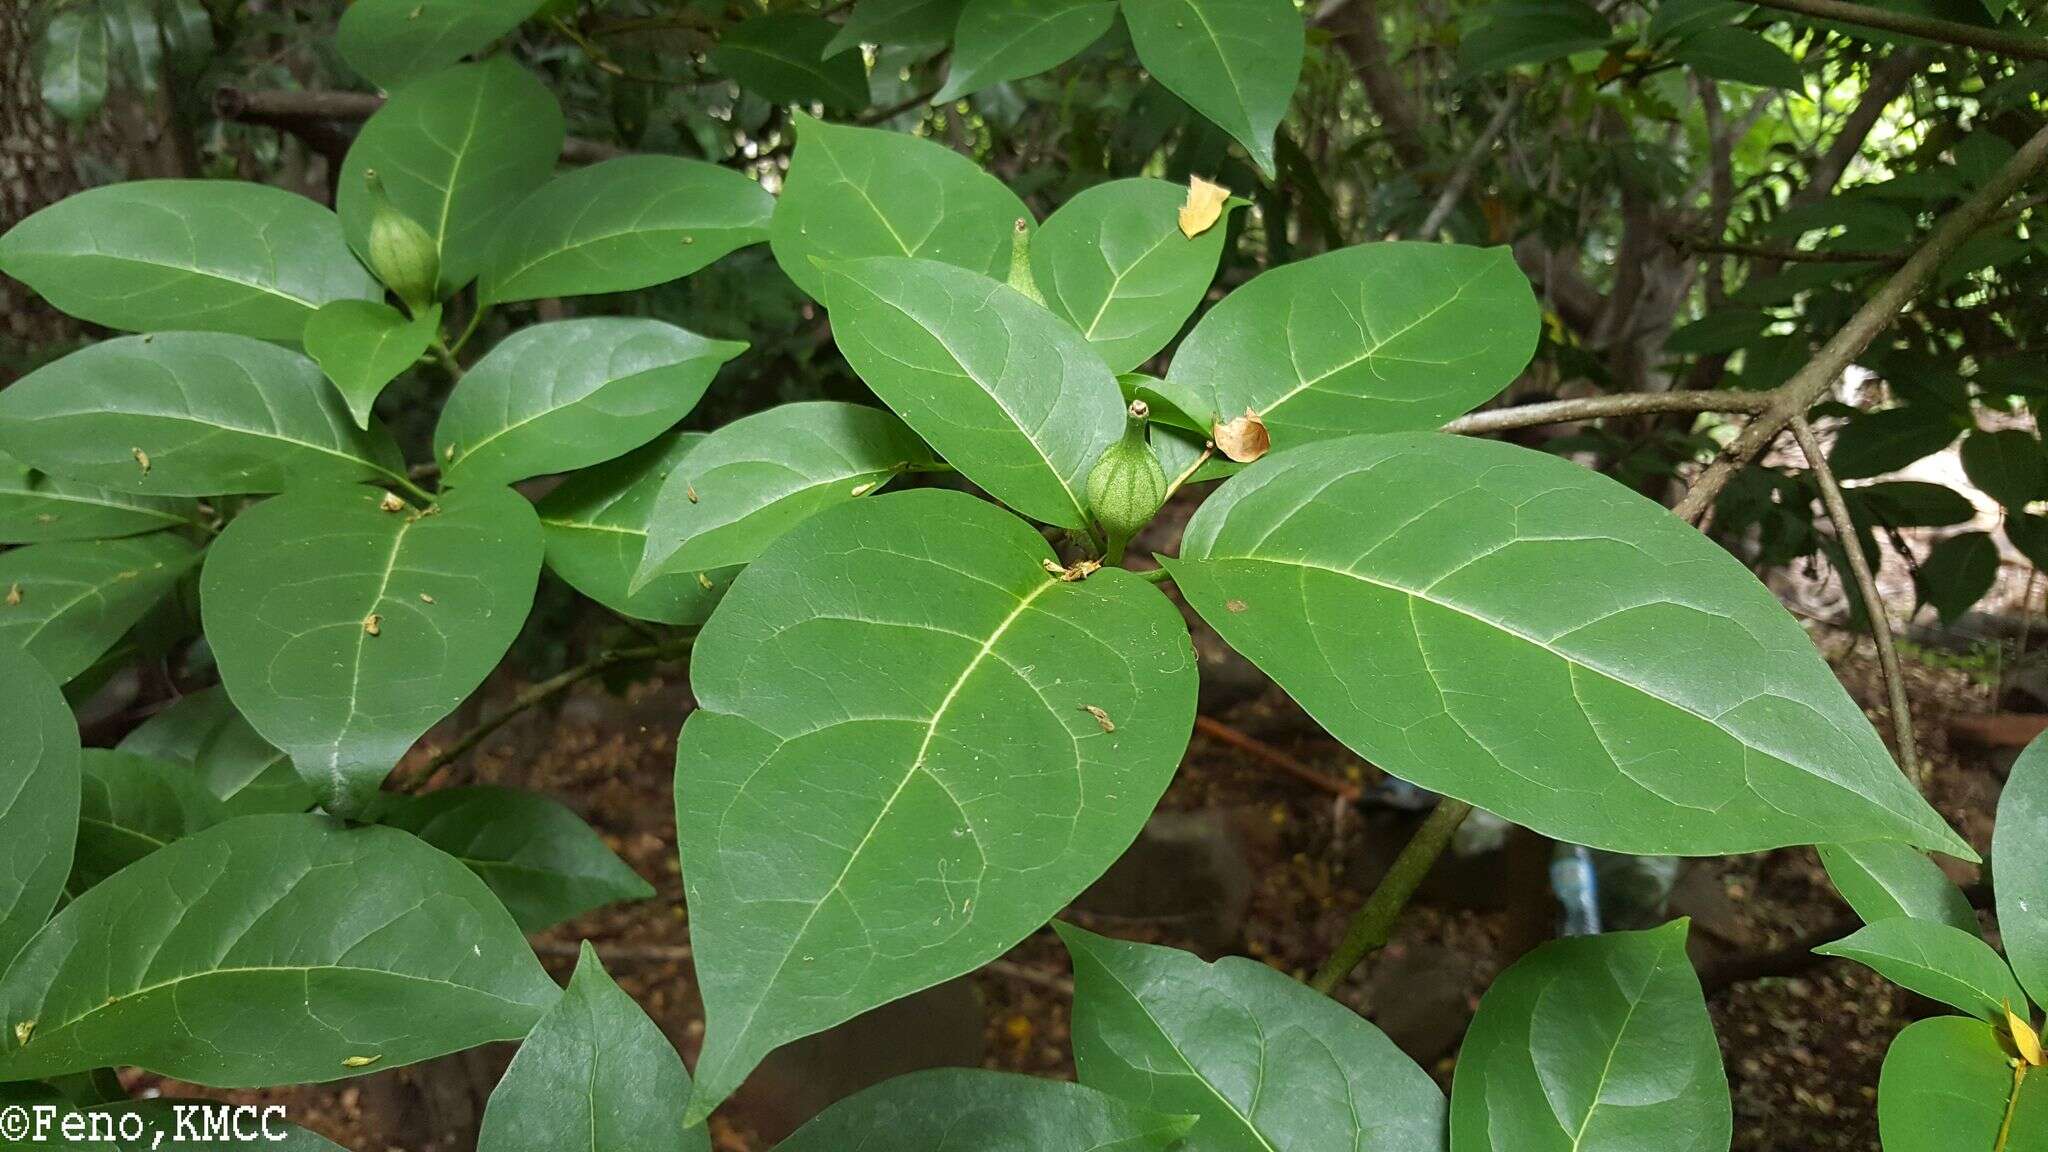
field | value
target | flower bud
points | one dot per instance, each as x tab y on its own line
1127	485
399	251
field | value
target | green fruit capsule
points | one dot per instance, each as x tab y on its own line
1127	486
399	251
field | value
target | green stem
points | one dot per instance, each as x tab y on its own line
475	317
1373	924
446	356
2019	1076
1155	576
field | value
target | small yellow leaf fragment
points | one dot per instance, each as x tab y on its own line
373	624
2024	1037
14	594
141	459
1234	605
704	582
863	489
1073	573
360	1061
1204	207
1101	717
1242	438
448	453
391	503
426	599
690	490
24	1030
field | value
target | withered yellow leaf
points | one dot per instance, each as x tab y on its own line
1204	207
1242	438
2024	1037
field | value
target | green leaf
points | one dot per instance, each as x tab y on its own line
38	797
1005	391
389	42
129	807
1937	961
1947	1084
2028	534
201	255
1113	263
2019	858
595	524
1739	55
541	859
1874	443
595	1075
203	732
1725	330
1003	40
1910	504
35	508
897	23
758	477
1882	879
1265	1062
456	149
272	950
1595	1044
1377	338
295	586
627	223
362	345
1519	32
1234	61
854	192
2010	466
189	414
159	1125
566	395
781	57
72	63
973	1110
851	837
68	602
1676	18
916	24
1956	573
1509	628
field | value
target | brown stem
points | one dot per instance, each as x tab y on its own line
1223	733
1812	381
1594	407
1866	588
2013	44
1373	925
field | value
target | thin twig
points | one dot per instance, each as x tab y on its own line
1468	168
311	114
1373	925
2015	44
1223	733
1595	407
1813	381
1866	587
1701	244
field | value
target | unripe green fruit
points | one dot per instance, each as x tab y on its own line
1127	485
399	251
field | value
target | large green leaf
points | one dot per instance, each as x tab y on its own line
848	837
189	414
36	507
899	23
1267	1064
1948	1084
1937	961
1882	879
854	192
566	395
758	477
2010	466
1003	40
203	732
1739	55
595	524
781	57
1873	443
1593	1044
71	63
1672	19
344	631
632	222
1520	32
1235	61
595	1075
1004	390
130	806
203	255
456	149
1114	263
272	950
542	860
1956	573
391	41
972	1110
1377	338
362	345
68	602
2019	860
38	797
1509	628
